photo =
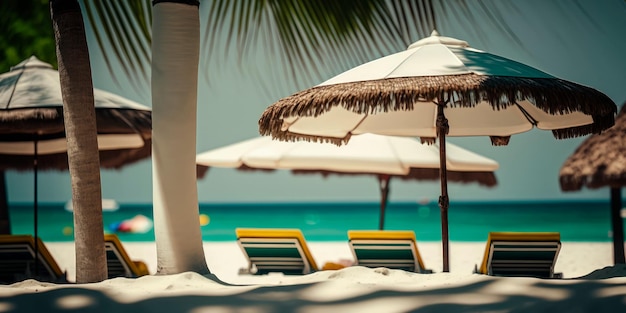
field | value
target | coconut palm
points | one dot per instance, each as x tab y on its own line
82	146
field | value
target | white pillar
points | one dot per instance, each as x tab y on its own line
175	55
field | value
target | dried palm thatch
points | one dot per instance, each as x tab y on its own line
202	170
599	161
26	125
552	95
487	179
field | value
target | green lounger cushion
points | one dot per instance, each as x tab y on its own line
531	254
275	250
386	248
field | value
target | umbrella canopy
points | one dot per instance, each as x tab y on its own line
482	94
600	161
32	132
366	154
31	110
439	86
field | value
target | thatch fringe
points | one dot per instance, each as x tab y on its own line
500	140
599	161
9	116
25	124
109	159
428	140
487	179
551	95
600	123
289	136
48	123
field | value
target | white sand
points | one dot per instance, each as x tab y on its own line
353	289
225	258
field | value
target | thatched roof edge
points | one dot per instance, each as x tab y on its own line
549	94
599	161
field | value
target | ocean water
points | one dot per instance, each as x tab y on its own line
468	221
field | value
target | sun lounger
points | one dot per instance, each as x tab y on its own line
386	248
275	250
119	263
17	261
521	254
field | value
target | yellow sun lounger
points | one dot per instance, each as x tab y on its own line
119	263
17	261
521	254
386	248
275	250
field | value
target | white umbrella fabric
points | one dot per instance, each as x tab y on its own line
31	116
32	132
439	86
367	154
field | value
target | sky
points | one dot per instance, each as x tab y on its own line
582	42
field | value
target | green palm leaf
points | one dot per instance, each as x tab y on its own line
305	37
122	30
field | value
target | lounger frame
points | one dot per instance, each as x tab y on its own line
275	251
390	249
522	254
119	264
17	260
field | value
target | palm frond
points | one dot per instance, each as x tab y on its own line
123	29
308	37
301	39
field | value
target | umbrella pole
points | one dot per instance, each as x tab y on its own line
36	210
442	130
383	184
618	228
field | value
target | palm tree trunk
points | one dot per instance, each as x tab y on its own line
80	127
175	57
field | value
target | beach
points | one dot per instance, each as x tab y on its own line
590	284
225	258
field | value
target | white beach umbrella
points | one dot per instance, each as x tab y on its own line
32	131
31	112
369	154
439	87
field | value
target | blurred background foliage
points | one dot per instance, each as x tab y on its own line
26	30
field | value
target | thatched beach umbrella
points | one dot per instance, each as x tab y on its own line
32	132
368	154
600	161
439	87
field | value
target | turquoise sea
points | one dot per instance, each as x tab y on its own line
468	221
